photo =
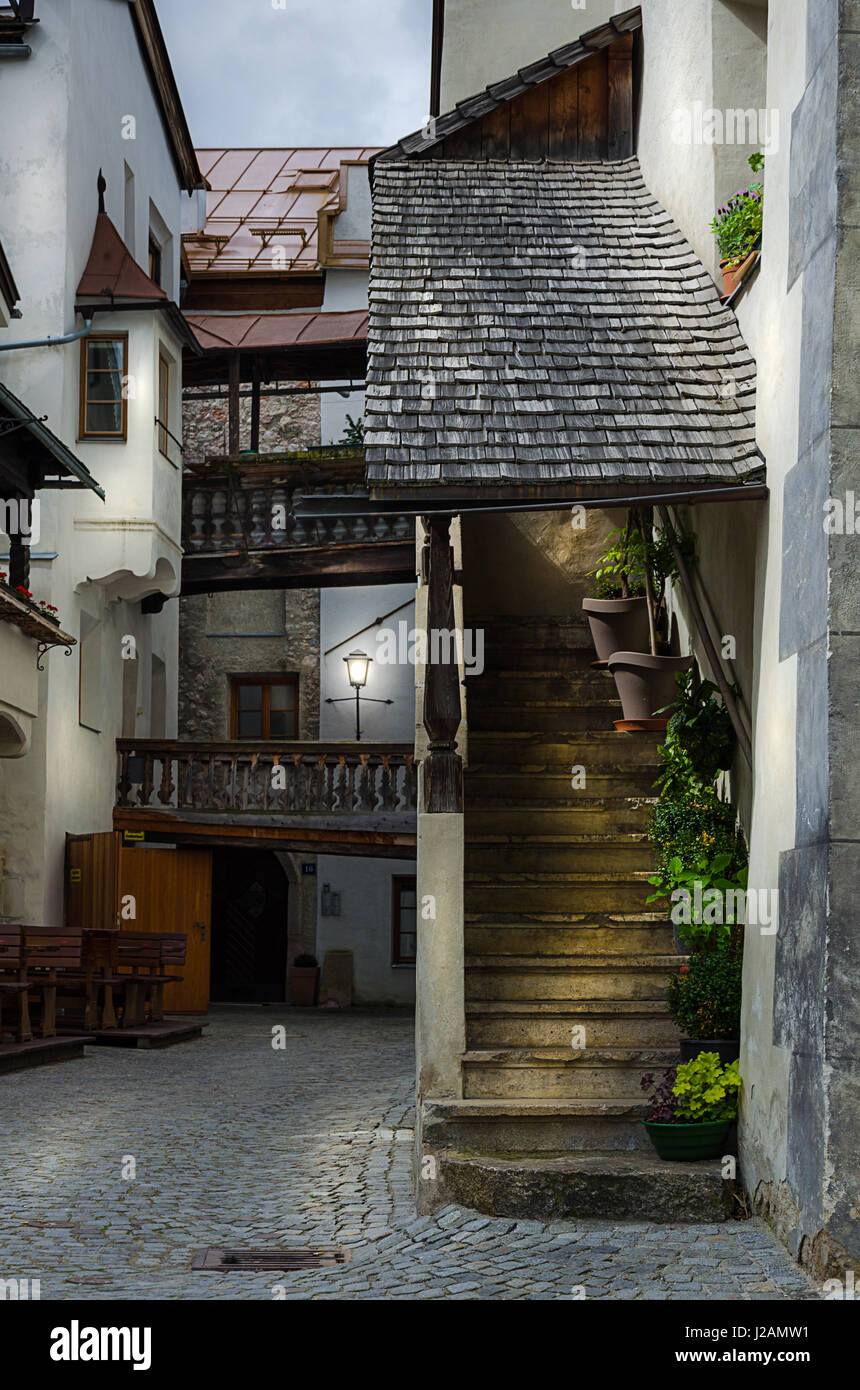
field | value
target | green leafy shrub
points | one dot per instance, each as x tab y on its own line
707	1091
704	998
634	550
305	962
738	224
353	435
696	822
702	909
700	739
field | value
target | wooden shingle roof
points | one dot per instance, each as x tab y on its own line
546	323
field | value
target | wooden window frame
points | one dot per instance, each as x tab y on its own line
266	681
164	410
120	435
156	255
397	881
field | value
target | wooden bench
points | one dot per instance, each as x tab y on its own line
173	947
13	982
30	958
85	996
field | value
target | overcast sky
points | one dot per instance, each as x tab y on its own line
300	72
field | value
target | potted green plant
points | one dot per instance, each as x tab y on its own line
304	979
738	228
618	612
641	561
704	999
693	1108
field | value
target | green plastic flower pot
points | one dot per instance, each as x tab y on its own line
686	1143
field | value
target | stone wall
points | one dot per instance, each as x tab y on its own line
286	422
265	632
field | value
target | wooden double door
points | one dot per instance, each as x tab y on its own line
140	888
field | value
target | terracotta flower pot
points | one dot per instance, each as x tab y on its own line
646	683
732	275
303	984
617	624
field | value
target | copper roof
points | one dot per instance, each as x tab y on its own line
112	271
262	200
250	332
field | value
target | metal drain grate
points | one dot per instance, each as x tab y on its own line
307	1257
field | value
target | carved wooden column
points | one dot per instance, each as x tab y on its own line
443	766
233	404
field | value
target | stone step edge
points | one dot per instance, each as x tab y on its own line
601	1056
567	1008
488	962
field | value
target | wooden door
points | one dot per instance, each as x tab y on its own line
171	890
92	865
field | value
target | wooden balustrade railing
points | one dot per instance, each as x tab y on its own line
273	778
226	516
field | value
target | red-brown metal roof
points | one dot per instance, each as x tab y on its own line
112	271
262	201
249	332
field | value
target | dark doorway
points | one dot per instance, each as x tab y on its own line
249	927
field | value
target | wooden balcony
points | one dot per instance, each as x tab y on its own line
240	530
321	798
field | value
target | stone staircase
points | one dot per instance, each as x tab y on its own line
560	947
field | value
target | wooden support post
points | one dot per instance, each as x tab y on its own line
645	521
19	563
443	766
233	406
707	641
255	409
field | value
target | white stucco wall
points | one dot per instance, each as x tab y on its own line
85	77
348	622
366	925
487	40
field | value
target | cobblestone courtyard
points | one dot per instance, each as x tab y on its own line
238	1144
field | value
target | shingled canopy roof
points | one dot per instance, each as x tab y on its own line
546	324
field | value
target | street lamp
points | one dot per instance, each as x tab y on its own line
357	668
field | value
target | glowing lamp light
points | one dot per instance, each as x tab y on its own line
357	667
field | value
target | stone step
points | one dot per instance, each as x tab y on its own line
535	854
534	631
503	655
628	817
579	893
535	1126
569	977
512	785
603	751
610	1186
572	687
593	1073
538	935
550	1023
542	716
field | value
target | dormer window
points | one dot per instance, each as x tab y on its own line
104	370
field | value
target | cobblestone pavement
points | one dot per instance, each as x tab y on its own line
241	1145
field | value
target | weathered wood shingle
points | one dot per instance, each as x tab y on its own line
542	322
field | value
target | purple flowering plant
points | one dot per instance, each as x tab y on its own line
738	223
664	1102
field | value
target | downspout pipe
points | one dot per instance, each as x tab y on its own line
51	342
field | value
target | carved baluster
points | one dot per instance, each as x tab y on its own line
443	766
165	791
351	769
147	784
123	785
385	785
341	787
189	782
298	798
218	520
365	800
260	517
